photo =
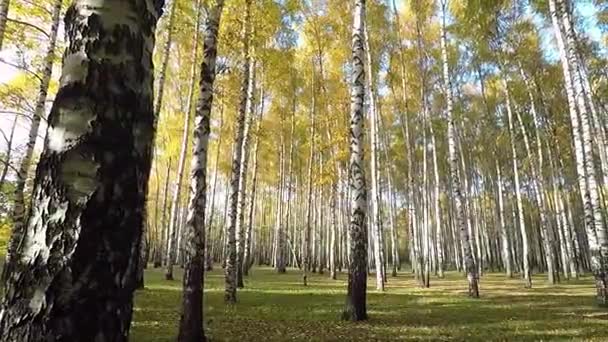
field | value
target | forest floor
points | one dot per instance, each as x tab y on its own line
276	307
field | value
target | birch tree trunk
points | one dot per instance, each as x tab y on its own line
9	152
173	221
88	202
247	259
18	210
231	255
355	309
210	214
4	6
593	211
375	201
594	224
520	209
242	196
504	235
309	211
191	321
471	269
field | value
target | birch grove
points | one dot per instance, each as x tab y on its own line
429	146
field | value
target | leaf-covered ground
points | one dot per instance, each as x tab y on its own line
276	307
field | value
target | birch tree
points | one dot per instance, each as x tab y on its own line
191	322
471	268
19	208
355	309
86	217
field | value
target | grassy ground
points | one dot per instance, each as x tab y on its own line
277	308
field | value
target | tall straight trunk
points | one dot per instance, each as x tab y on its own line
242	195
247	259
471	269
355	308
4	6
437	194
593	210
504	235
405	131
181	165
191	320
210	213
165	233
520	209
594	224
306	258
9	152
280	240
375	200
538	190
231	255
18	210
162	75
395	262
89	195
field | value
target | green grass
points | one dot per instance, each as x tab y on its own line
278	308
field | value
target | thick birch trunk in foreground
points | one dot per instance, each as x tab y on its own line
471	269
18	211
74	272
191	321
355	309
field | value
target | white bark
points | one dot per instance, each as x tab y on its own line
18	210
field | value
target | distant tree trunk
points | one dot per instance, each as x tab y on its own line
504	235
89	195
4	5
173	221
309	210
9	152
210	215
242	196
247	259
395	262
437	195
538	190
191	321
165	229
471	269
375	201
355	309
231	255
518	199
18	212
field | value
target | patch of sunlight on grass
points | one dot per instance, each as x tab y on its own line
277	307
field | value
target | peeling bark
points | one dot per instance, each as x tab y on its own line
355	309
191	321
74	271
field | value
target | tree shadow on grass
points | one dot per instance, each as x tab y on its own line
275	308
